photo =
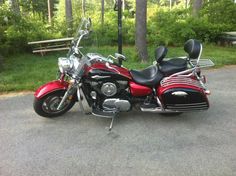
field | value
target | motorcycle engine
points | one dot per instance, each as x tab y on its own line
109	88
112	95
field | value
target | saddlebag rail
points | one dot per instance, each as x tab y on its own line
177	80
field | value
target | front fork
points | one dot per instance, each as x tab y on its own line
70	92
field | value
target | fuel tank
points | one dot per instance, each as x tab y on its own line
183	94
101	70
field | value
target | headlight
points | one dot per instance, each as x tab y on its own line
64	64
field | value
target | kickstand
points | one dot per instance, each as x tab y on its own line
112	120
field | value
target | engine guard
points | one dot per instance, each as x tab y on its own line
50	87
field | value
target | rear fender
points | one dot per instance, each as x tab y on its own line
50	87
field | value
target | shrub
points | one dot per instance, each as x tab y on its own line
1	62
169	28
220	12
176	26
16	31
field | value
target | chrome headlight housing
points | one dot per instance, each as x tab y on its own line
64	64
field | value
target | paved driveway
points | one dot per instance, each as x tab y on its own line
200	143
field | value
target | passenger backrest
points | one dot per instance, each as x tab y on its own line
160	53
193	48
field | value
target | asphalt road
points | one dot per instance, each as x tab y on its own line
200	143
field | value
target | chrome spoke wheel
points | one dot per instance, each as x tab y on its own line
51	103
47	106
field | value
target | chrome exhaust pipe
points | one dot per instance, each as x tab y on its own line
157	110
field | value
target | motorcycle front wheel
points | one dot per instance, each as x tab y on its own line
47	105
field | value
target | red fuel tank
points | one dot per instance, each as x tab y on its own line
103	69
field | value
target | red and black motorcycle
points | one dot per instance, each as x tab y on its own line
104	88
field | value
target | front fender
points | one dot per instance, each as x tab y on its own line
50	87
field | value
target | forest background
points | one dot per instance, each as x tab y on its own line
169	22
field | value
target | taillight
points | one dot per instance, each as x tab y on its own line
203	79
207	92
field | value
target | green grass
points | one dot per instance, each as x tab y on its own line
27	71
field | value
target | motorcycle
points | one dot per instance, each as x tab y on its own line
103	87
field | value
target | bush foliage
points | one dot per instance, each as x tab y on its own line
16	31
165	26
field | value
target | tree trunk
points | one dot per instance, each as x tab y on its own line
102	13
15	6
197	5
49	12
69	17
141	29
186	4
83	7
123	5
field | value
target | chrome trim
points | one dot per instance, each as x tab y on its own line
109	89
180	93
189	73
83	102
199	56
203	63
159	103
99	77
70	91
188	107
108	66
188	104
187	110
93	94
116	104
180	80
79	100
157	110
98	115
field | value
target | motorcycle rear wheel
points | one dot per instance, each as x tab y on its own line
47	105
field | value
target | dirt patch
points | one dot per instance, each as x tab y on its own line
14	94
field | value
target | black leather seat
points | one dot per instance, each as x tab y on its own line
169	67
172	66
150	76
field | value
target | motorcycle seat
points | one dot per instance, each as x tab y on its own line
172	66
150	76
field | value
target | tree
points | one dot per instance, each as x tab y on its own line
220	12
141	29
197	5
69	16
49	12
83	7
186	3
15	6
102	12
